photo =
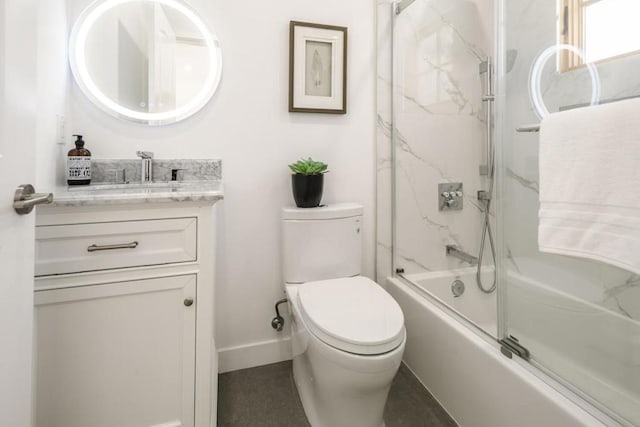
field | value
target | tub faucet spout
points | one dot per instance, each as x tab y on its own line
453	251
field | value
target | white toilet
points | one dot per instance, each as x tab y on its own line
348	333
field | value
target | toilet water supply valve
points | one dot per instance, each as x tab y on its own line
277	322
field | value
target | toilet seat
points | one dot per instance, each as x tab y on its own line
352	314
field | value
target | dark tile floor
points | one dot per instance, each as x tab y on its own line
266	397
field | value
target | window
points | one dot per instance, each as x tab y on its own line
602	29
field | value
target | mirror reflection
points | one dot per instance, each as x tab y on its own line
146	60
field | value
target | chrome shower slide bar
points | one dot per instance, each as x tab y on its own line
488	97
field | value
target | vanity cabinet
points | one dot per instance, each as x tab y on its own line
117	354
124	316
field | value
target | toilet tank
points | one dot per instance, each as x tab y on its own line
321	243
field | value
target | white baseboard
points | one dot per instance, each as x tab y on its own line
254	354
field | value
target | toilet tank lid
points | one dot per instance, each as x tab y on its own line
333	211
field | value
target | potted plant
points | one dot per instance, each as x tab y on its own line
307	182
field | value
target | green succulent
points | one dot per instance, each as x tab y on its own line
308	167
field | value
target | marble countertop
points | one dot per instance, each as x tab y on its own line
157	192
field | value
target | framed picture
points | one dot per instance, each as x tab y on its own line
317	68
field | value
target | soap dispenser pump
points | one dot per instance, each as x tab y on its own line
79	164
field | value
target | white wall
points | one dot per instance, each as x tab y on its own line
247	125
53	88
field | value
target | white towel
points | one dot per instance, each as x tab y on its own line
590	184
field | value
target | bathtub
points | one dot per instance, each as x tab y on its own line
473	305
596	349
458	359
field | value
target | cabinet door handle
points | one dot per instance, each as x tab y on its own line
94	248
188	302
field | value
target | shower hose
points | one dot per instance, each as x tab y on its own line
487	232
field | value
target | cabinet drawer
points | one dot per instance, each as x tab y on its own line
107	245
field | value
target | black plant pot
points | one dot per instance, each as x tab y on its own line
307	189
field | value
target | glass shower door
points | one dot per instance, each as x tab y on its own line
438	117
438	113
579	320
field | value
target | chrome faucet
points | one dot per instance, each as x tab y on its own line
453	251
147	165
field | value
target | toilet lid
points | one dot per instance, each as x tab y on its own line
352	314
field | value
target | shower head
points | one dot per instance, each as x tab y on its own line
402	5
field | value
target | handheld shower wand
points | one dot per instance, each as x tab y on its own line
488	169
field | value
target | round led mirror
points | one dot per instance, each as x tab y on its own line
149	61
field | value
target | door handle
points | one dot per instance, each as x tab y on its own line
26	198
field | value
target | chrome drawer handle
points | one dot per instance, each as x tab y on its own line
94	248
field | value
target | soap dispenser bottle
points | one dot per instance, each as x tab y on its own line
79	164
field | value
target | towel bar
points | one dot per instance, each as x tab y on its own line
528	128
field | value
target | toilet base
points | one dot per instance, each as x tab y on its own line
336	396
339	389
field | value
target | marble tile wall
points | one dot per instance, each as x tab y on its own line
439	123
109	170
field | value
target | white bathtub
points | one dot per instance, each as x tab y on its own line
463	367
594	348
474	305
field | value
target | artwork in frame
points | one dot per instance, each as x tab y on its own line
317	68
